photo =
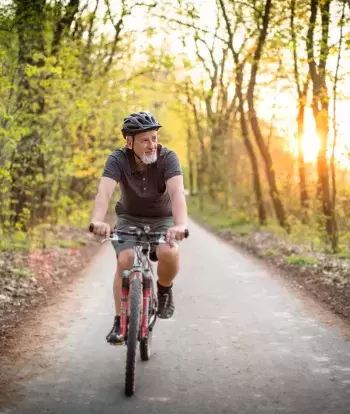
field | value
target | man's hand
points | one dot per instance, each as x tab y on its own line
175	233
101	229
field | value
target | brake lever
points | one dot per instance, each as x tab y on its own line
112	238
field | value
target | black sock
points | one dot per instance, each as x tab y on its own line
117	318
163	289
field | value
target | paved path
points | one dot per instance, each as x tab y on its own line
239	342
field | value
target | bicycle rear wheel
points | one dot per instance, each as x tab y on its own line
133	330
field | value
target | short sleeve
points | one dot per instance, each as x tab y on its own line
113	168
172	166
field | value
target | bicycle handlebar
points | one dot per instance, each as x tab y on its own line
139	233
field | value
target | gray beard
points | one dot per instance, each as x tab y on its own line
149	159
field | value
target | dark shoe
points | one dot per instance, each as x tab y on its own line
166	306
153	256
113	337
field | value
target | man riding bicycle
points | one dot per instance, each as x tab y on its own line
152	192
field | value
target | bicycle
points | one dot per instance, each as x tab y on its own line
139	299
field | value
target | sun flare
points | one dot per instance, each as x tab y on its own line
310	140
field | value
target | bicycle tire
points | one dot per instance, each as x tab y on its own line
133	330
146	346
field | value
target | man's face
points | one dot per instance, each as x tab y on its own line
145	146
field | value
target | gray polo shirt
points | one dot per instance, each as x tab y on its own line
143	193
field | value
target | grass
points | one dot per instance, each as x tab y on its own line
220	218
15	242
310	235
40	238
22	272
301	260
268	253
343	255
238	222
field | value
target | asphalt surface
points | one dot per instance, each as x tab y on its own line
240	341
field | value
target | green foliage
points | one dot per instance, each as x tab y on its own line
343	255
61	108
14	240
300	260
307	233
268	253
60	116
238	221
23	272
241	224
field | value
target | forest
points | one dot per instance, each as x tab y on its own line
253	96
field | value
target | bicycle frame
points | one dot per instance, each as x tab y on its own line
142	269
137	283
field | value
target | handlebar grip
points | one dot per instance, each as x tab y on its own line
187	233
91	228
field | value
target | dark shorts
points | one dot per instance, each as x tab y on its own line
156	224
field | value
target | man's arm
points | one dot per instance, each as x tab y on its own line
175	189
104	194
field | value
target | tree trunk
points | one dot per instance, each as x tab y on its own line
320	104
335	235
250	150
190	160
203	161
302	99
64	24
304	197
217	161
269	167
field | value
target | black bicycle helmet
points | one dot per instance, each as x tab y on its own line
139	122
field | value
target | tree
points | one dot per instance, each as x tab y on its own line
335	235
239	68
302	90
254	122
28	160
320	103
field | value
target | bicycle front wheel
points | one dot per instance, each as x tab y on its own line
133	330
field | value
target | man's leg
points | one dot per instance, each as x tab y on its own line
168	267
124	262
124	255
168	264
